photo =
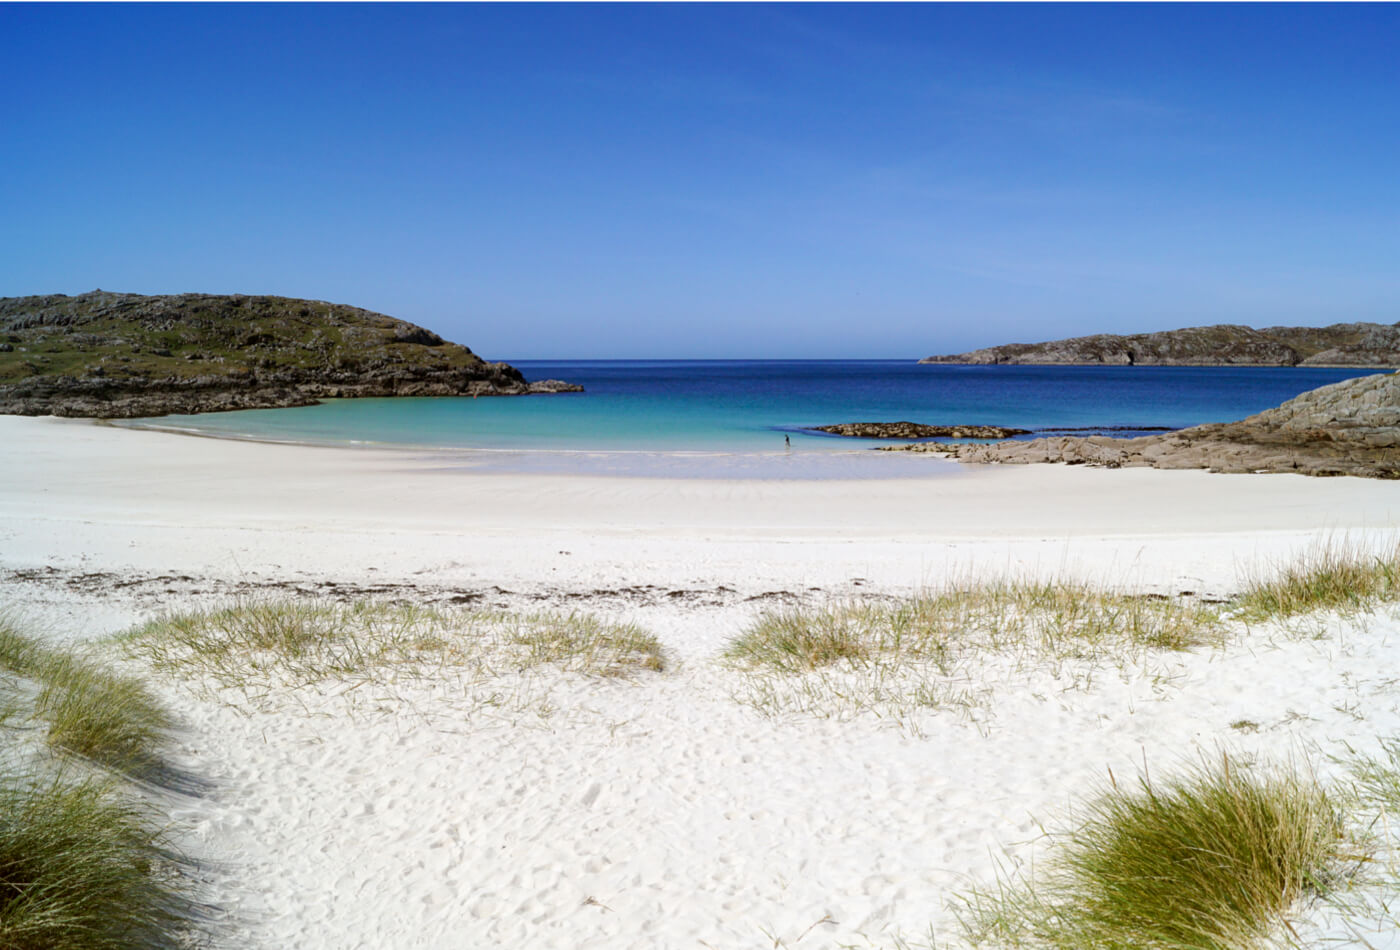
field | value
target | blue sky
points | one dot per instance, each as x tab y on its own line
596	181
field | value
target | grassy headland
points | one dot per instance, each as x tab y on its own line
121	355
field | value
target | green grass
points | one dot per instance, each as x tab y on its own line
299	642
893	658
1059	619
1332	576
1377	778
582	643
154	337
19	652
799	640
109	719
82	868
1215	860
83	865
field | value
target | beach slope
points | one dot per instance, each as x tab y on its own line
702	804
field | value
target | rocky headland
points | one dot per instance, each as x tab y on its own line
112	355
916	430
1347	428
1342	344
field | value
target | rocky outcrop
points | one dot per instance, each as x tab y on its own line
1347	428
917	430
545	386
1342	344
125	355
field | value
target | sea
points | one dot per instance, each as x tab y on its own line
752	418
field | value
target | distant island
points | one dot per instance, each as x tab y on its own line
1342	344
113	355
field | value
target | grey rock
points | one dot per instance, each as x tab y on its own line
1347	428
554	386
917	430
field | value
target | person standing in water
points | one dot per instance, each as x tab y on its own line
787	440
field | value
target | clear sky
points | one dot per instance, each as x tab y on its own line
595	181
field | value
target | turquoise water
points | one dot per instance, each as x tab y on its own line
730	417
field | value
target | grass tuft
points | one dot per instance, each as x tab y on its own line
1377	777
112	720
299	642
109	719
1214	860
19	652
1064	619
797	640
82	865
896	657
1332	576
83	869
584	643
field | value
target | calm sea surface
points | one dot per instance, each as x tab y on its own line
728	418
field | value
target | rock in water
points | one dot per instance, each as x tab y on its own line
917	430
1347	428
123	355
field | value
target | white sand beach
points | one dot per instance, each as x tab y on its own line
663	810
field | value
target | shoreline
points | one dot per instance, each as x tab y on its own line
667	809
710	412
74	494
836	462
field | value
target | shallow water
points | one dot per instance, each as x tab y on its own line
687	418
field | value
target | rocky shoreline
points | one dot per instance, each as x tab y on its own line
916	430
121	356
1347	428
89	397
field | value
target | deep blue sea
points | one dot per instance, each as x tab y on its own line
729	417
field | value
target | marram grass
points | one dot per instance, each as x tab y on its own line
1377	778
581	643
894	658
104	717
1215	860
1332	576
1057	619
82	868
83	864
19	652
306	641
